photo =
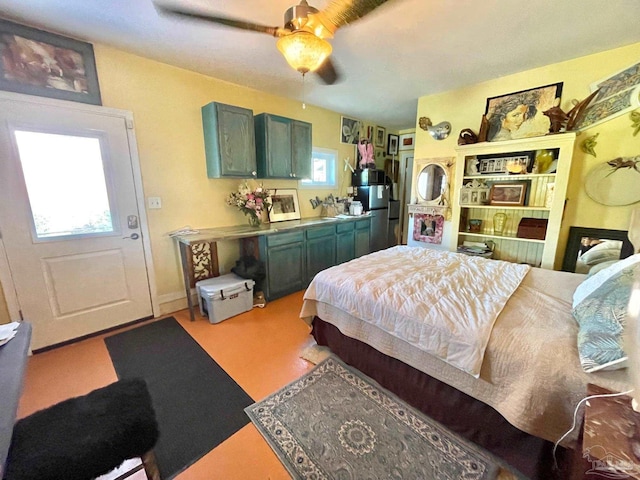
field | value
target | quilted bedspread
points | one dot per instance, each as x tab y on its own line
443	303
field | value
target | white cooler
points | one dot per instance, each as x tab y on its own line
225	296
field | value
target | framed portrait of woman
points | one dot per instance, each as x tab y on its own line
520	114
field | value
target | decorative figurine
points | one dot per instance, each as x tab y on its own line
576	114
589	145
467	137
439	131
620	162
557	117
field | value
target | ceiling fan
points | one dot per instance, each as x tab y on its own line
302	40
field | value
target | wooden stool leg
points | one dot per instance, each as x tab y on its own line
150	465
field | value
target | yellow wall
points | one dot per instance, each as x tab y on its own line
166	103
464	109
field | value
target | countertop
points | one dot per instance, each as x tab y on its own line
245	231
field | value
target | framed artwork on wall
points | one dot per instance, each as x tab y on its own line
618	93
407	141
392	144
349	130
370	133
519	114
380	134
284	205
35	62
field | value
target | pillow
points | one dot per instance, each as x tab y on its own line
600	266
603	252
602	316
594	281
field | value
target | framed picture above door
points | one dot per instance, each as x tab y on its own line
40	63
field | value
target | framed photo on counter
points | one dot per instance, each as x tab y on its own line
284	205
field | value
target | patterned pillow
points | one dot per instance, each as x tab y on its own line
593	282
602	316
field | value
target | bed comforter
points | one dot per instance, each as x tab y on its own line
530	371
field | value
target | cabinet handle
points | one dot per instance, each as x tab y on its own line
254	173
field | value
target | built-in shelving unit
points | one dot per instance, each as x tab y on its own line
545	184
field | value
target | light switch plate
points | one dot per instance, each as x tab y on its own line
154	202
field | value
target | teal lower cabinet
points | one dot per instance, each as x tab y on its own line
283	254
293	258
321	250
345	242
363	237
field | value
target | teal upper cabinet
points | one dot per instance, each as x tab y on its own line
229	141
283	147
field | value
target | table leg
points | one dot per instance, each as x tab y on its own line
186	273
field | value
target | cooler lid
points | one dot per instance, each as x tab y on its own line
223	286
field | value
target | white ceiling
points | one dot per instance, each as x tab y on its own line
403	50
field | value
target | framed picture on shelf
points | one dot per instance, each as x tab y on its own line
284	205
519	114
349	130
380	134
392	144
35	62
407	141
514	164
508	194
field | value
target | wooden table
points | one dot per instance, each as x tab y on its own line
199	251
13	360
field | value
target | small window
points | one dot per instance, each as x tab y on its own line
323	169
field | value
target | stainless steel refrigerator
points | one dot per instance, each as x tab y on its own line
375	199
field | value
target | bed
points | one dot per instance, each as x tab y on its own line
510	385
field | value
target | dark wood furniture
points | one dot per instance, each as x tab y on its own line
610	437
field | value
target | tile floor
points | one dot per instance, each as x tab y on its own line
260	349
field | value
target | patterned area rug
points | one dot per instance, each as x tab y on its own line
334	423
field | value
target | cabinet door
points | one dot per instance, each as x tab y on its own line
286	270
363	238
321	250
301	149
229	138
345	242
273	146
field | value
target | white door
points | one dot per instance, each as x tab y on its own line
69	220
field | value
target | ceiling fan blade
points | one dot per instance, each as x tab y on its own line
343	12
327	72
229	22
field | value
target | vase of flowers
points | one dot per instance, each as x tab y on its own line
253	202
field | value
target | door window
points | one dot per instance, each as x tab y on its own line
66	184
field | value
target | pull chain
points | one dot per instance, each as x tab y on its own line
304	105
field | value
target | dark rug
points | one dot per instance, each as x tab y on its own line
334	423
197	404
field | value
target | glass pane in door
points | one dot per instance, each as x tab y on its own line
66	184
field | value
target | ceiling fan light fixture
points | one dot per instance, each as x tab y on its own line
304	51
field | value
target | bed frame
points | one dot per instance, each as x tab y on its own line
470	418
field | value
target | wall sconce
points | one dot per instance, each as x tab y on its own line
439	131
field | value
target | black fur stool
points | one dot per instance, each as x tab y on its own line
85	437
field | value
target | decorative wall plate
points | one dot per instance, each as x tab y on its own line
615	182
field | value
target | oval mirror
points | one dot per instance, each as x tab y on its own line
432	182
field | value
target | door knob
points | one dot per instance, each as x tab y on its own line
133	236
